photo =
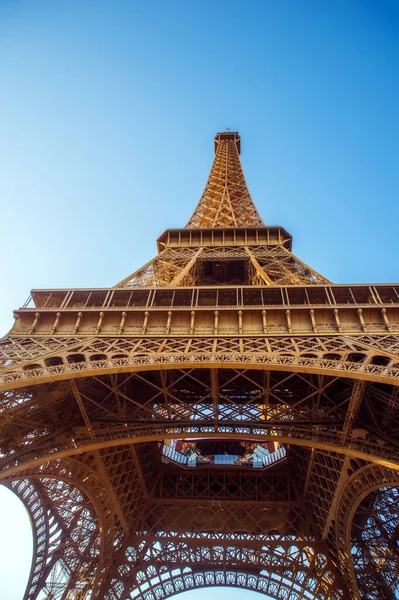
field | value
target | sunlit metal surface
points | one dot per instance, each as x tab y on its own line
224	415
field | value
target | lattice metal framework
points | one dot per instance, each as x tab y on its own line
225	335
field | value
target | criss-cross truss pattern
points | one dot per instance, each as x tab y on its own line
226	201
259	265
223	416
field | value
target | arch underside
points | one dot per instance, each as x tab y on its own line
328	413
113	423
374	540
293	570
73	560
72	533
367	529
185	580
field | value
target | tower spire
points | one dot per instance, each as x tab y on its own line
226	201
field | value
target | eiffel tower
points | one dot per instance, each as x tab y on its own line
225	415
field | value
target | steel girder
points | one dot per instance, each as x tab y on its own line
92	383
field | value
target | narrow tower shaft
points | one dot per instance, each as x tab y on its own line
226	201
225	242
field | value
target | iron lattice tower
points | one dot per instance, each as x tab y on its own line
223	416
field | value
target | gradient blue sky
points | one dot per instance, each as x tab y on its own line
107	114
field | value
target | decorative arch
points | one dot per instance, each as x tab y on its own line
368	357
356	448
182	580
72	524
34	460
91	408
361	484
290	569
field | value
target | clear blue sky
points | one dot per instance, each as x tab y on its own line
107	114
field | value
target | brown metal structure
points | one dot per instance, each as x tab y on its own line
223	416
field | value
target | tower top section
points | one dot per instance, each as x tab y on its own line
227	135
226	201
